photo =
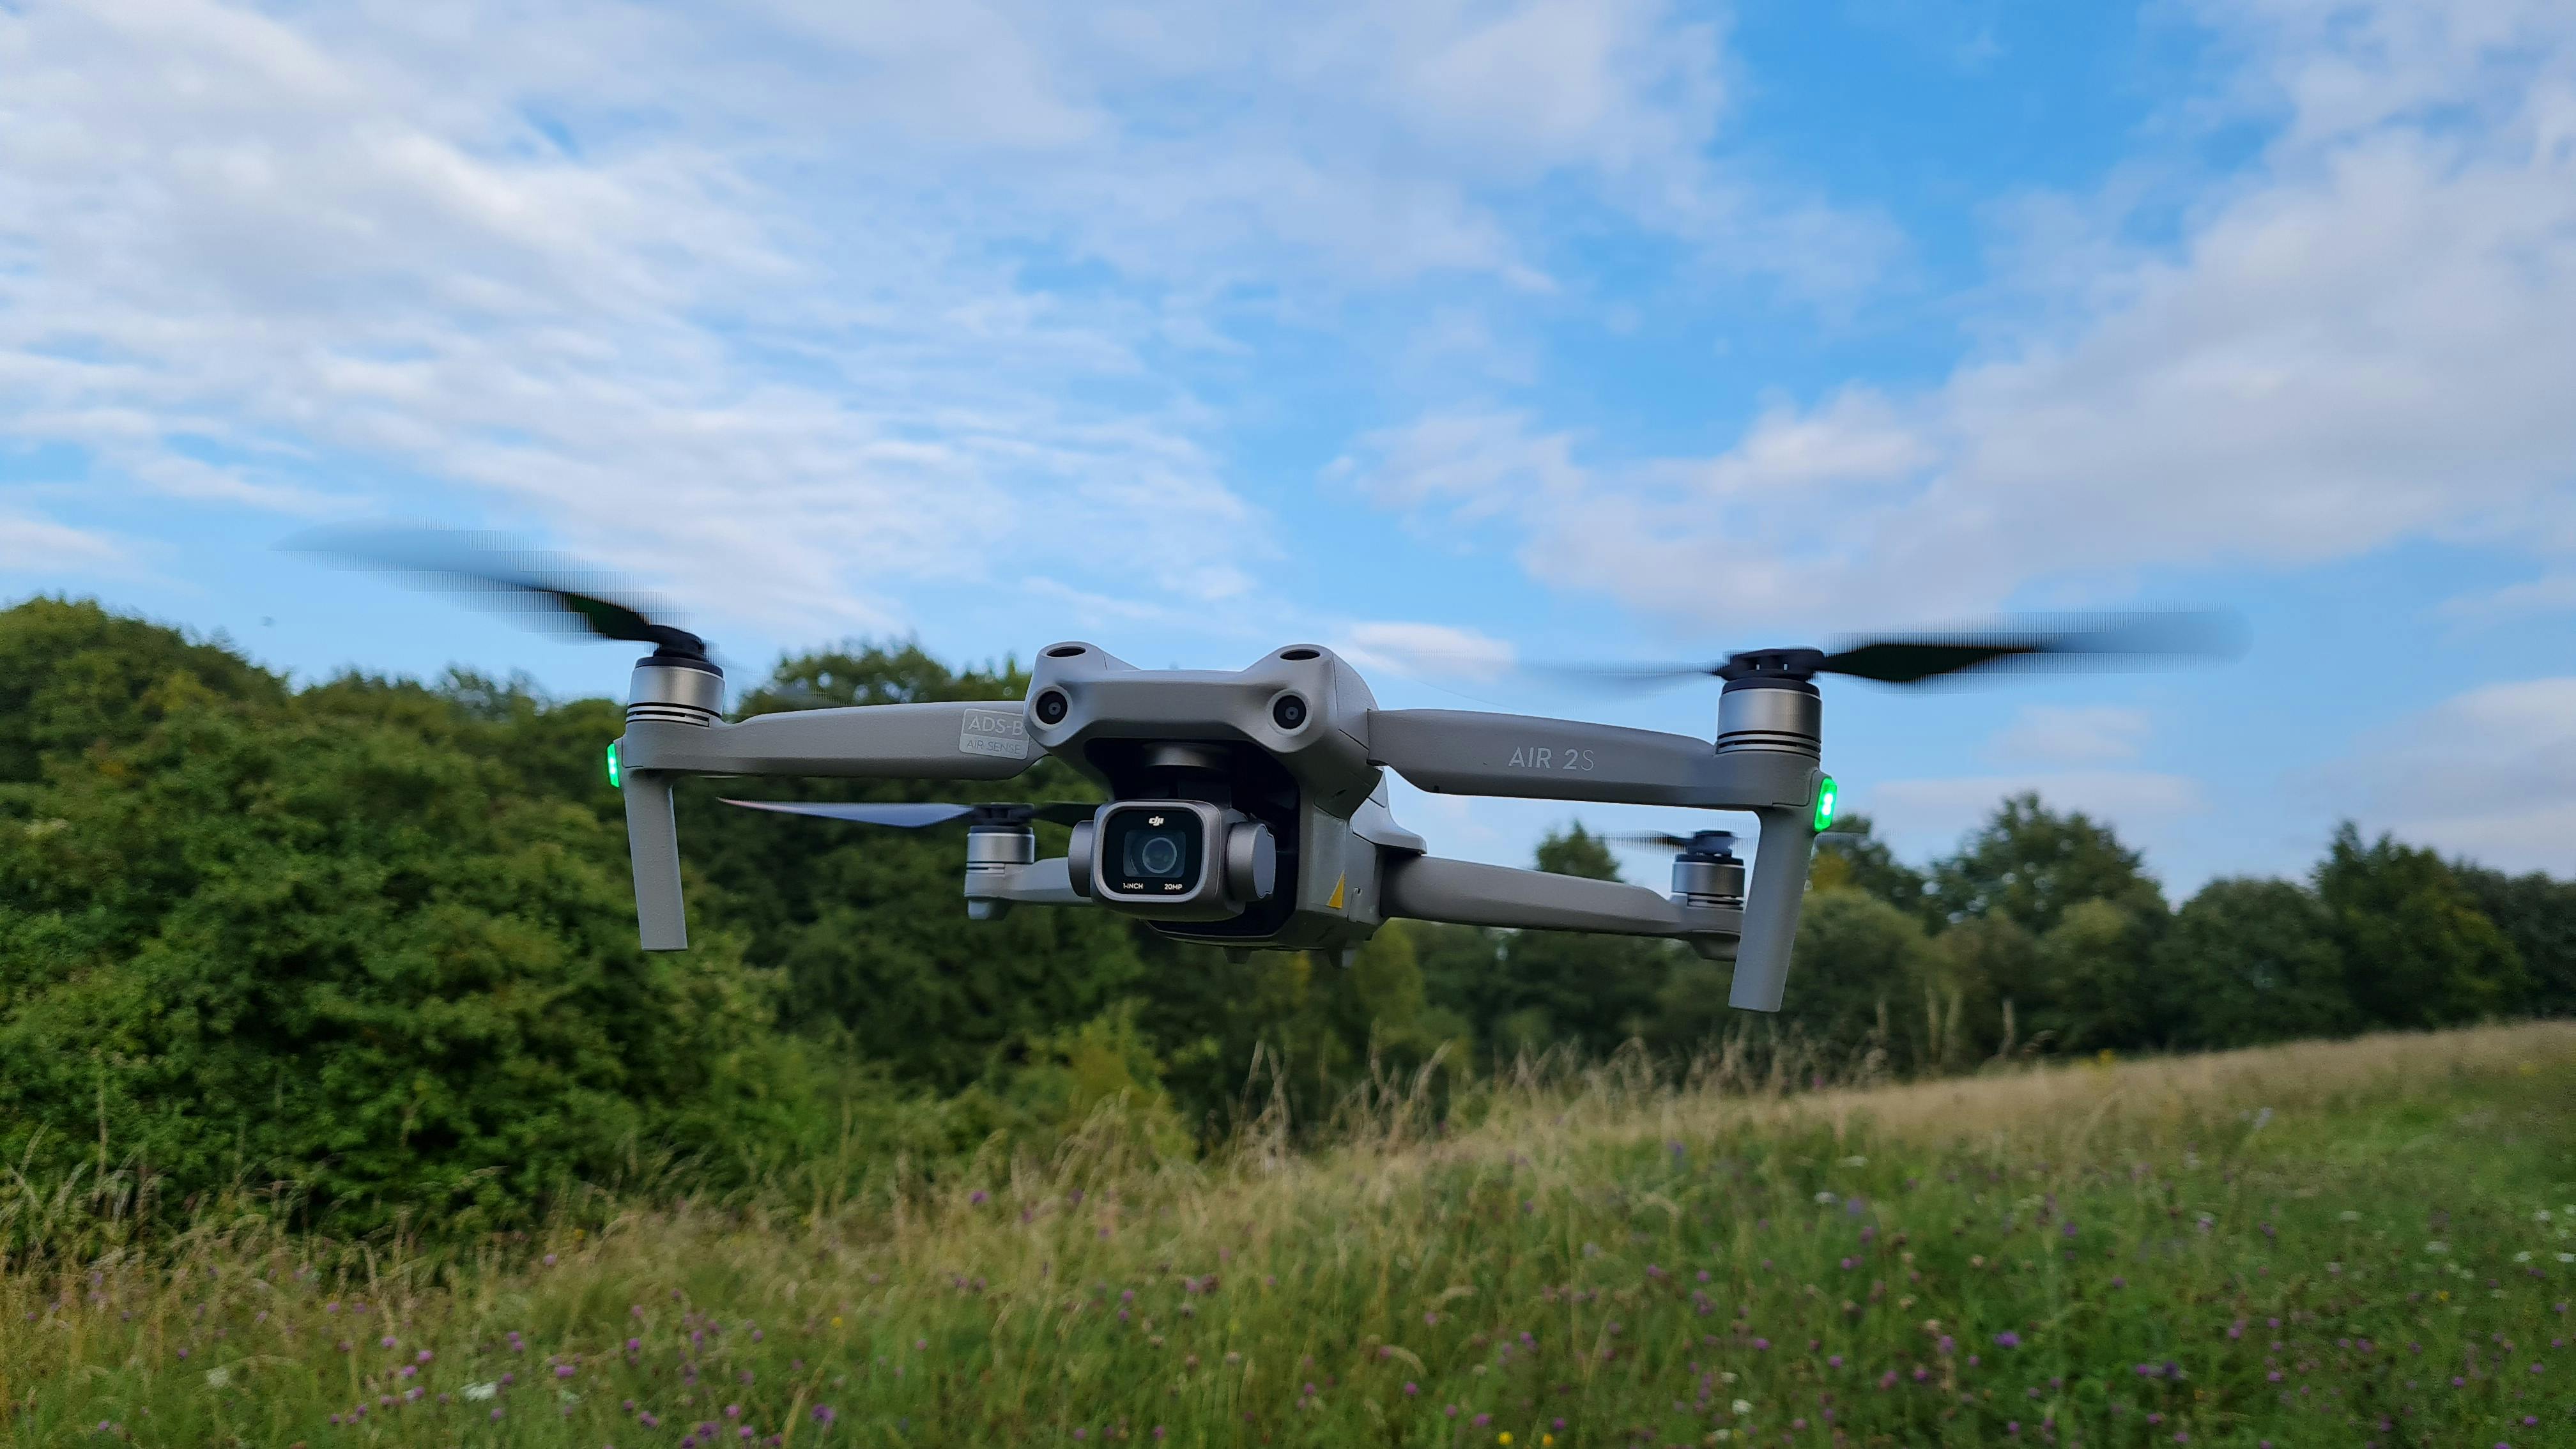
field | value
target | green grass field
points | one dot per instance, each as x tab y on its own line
2372	1242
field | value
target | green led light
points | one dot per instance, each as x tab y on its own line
1826	795
614	780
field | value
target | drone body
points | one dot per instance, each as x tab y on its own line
1249	809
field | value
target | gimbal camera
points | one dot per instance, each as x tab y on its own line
1248	809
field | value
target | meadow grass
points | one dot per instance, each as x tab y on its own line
2370	1242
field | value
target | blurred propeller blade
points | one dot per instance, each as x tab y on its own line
1915	659
903	814
1710	842
1909	661
1716	840
2133	636
914	814
485	561
1622	678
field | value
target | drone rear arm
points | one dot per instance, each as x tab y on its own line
1468	753
1430	888
959	740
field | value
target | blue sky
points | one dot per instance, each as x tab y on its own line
1452	334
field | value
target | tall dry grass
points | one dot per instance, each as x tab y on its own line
1645	1235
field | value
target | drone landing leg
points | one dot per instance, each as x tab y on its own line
653	837
1779	887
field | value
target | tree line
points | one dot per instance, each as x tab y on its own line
369	943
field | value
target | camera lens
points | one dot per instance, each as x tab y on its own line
1052	708
1155	853
1288	712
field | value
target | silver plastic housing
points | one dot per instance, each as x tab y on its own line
663	690
1251	861
1700	881
994	853
1077	855
1771	715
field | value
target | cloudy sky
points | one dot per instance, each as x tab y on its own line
1455	334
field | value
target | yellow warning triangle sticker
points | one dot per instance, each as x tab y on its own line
1335	903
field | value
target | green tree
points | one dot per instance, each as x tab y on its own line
1459	966
1384	1007
868	923
2092	987
2537	913
1577	851
1861	965
1554	986
74	676
1854	857
2417	951
2032	863
260	943
2253	961
1978	964
1053	1082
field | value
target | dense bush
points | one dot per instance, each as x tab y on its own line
255	941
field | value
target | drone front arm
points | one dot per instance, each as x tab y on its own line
958	740
1466	752
1430	888
952	740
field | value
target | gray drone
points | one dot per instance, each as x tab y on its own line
1249	809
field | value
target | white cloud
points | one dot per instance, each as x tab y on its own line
1856	437
1474	463
2551	593
2363	336
2490	774
1433	650
744	296
2083	734
39	548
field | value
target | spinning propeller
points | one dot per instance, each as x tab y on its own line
485	562
1913	659
1703	842
914	814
